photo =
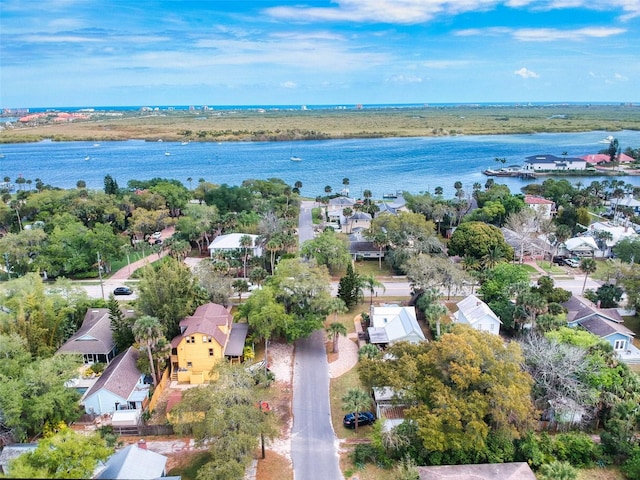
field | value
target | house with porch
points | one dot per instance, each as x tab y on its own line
205	338
584	246
606	323
474	312
232	243
94	339
393	323
120	387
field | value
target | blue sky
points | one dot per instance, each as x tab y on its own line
269	52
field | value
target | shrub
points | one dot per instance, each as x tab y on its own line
576	448
631	468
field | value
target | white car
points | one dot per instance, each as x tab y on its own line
156	235
572	262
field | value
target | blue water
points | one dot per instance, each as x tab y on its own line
380	165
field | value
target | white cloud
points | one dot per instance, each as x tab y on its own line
405	79
526	73
289	84
553	34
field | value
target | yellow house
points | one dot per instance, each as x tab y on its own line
206	337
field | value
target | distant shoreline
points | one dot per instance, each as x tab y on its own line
262	125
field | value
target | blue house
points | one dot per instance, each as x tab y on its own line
605	323
120	387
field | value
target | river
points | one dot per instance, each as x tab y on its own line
380	165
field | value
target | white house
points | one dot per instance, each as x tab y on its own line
617	232
336	206
551	162
393	323
628	201
231	242
474	312
584	246
545	208
120	387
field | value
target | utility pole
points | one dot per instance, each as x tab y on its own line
8	265
100	275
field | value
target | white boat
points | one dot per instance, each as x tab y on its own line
167	153
184	143
293	158
87	157
607	140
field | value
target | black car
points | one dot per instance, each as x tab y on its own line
364	418
122	291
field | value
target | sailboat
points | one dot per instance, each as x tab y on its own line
294	158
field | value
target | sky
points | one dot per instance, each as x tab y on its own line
84	53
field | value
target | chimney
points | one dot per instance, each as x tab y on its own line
142	443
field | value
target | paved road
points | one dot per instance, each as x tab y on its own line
305	222
313	441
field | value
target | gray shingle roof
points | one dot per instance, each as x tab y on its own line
120	377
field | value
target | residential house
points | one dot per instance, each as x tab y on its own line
603	158
617	232
584	246
606	323
545	208
389	407
94	339
11	452
336	206
474	312
551	162
483	471
627	202
120	387
134	462
393	323
205	338
360	247
231	243
394	205
533	246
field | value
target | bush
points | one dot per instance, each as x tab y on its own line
367	453
631	468
576	448
98	368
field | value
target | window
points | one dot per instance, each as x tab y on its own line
209	339
619	345
188	340
193	339
211	352
204	339
189	364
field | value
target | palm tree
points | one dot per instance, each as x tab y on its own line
335	330
558	471
356	401
438	191
148	331
370	282
336	306
347	212
588	266
189	179
494	256
246	241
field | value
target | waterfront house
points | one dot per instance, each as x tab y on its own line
231	243
94	339
395	206
336	206
553	163
393	323
474	312
205	338
603	158
120	387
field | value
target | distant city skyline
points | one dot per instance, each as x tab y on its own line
72	53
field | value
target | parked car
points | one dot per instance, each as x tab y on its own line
122	291
364	418
559	260
572	262
156	235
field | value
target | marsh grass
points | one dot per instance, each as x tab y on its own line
287	125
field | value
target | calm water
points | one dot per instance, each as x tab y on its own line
380	165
